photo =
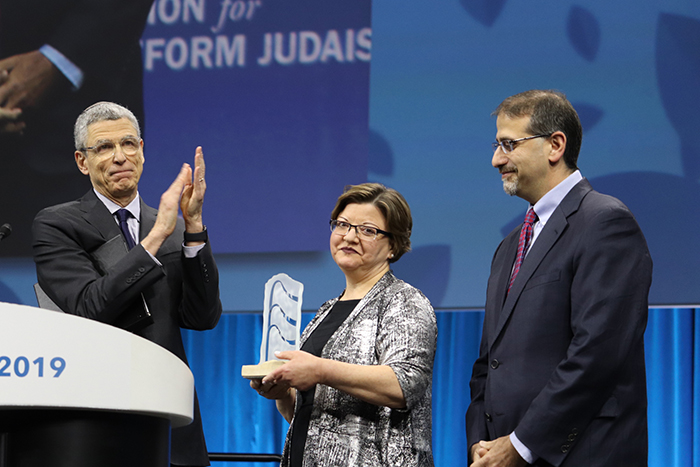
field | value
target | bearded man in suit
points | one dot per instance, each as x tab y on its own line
108	256
560	378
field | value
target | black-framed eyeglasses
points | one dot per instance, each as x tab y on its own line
342	228
129	144
507	145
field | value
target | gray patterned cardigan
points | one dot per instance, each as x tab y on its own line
394	325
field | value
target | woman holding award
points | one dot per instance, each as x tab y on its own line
358	393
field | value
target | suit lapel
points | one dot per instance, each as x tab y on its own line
547	238
97	215
510	252
148	219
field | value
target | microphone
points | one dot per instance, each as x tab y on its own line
5	231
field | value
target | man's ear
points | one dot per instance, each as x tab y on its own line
81	162
558	146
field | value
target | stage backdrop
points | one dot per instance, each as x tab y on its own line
277	92
281	97
631	68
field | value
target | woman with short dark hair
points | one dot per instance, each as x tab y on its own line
358	393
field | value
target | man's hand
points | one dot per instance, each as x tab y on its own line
10	121
9	118
184	193
167	212
26	81
193	195
477	451
497	453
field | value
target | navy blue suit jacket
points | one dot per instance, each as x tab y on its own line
561	359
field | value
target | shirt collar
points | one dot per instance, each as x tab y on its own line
134	207
549	202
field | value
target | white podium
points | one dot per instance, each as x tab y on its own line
75	392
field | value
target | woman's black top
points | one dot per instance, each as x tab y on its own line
314	345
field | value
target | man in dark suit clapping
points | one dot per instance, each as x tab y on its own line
108	256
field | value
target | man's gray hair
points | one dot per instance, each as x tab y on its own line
100	112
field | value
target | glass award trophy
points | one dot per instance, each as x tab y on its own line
281	324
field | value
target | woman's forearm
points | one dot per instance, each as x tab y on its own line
376	384
285	405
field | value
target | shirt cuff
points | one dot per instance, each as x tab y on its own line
155	260
524	452
191	251
65	66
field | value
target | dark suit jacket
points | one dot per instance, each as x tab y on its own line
101	37
562	356
184	292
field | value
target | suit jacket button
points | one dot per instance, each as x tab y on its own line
142	269
488	417
572	437
565	448
494	363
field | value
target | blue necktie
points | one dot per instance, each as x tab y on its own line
123	215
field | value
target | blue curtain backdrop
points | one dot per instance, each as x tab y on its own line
236	419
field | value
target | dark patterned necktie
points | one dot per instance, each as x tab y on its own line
523	243
123	215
